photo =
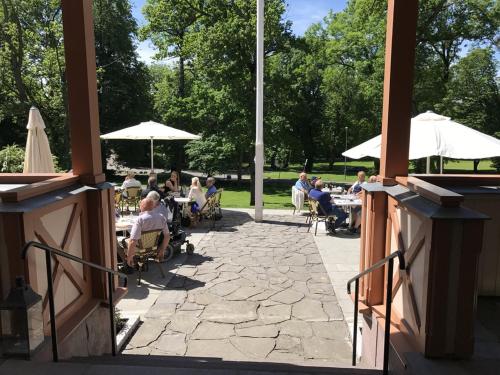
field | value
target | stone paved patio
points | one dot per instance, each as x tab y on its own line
251	292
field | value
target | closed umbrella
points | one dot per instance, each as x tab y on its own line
37	157
151	131
435	135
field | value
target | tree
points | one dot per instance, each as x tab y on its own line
123	81
473	95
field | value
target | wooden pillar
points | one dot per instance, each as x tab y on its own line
398	87
79	47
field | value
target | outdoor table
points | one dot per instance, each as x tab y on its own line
336	190
124	224
184	202
348	201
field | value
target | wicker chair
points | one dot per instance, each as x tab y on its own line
146	248
133	197
315	215
118	200
211	210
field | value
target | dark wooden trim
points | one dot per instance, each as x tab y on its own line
38	188
461	179
26	178
434	193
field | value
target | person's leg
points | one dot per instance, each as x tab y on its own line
340	214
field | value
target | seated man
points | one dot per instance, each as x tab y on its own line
147	220
357	186
159	206
152	186
130	181
211	189
325	204
302	184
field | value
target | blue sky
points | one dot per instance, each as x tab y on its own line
301	12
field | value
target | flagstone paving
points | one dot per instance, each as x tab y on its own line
252	291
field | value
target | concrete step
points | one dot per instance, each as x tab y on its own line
156	365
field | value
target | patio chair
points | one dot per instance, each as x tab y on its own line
211	210
147	247
133	196
298	198
317	215
118	200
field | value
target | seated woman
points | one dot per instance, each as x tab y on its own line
196	193
129	181
172	185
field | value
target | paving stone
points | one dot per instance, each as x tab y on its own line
309	310
148	332
275	314
285	357
319	348
189	306
172	296
186	271
230	312
320	288
289	343
214	349
333	310
184	323
172	343
314	259
263	296
231	268
330	330
258	331
205	298
145	350
161	310
254	347
296	328
223	289
288	296
213	331
244	293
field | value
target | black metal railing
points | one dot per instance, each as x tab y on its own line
49	251
389	260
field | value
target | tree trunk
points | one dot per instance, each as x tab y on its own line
240	165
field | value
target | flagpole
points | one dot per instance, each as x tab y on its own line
259	116
152	170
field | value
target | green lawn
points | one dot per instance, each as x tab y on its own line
274	197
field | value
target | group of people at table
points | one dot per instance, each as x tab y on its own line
154	213
315	189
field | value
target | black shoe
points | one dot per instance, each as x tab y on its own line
353	230
344	225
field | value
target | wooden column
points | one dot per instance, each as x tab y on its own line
398	87
81	76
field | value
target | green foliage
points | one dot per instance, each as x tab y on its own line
11	159
211	154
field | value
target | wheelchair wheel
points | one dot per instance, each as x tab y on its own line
169	253
190	249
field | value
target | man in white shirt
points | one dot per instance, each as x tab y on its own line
129	182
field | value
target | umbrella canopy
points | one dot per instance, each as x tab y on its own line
37	157
153	131
436	135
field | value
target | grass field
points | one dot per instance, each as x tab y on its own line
278	195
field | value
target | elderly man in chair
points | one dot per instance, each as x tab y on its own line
149	219
326	206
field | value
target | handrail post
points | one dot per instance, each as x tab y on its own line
355	328
52	310
112	314
388	308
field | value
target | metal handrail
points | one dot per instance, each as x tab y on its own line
389	260
50	289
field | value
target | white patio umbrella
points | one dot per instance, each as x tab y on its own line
152	131
436	135
37	157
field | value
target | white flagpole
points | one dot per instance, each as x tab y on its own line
259	136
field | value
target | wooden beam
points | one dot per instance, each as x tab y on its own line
79	48
398	87
436	194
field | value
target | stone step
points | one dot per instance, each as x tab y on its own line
156	365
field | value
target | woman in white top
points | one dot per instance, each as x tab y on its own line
196	192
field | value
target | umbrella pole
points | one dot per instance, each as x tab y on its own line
441	165
428	166
152	170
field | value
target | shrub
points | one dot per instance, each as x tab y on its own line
12	159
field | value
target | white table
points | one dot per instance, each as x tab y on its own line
348	201
184	202
124	224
